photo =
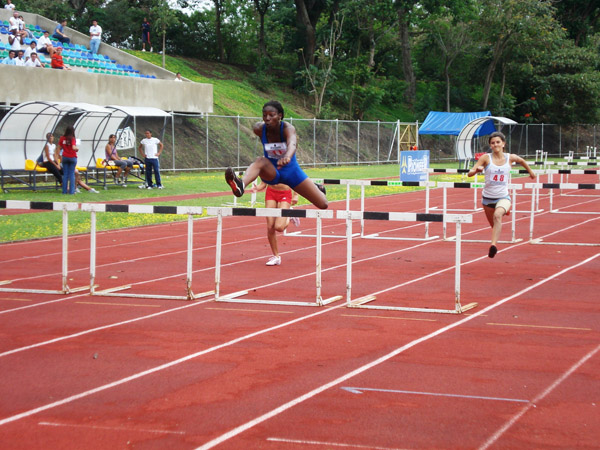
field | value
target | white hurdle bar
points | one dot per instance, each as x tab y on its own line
362	184
190	211
269	212
361	302
457	171
48	206
538	186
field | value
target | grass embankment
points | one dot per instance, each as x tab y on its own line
35	225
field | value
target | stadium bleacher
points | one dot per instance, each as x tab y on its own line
77	56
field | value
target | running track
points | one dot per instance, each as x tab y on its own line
521	371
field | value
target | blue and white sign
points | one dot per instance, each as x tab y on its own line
414	165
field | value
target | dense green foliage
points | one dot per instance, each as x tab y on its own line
531	60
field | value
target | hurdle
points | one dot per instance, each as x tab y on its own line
567	172
362	302
269	212
190	211
537	186
65	207
362	184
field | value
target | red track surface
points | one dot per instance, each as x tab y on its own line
520	371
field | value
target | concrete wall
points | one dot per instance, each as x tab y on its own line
22	84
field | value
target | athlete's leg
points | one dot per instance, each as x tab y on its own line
309	190
281	223
260	167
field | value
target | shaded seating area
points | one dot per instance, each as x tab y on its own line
23	131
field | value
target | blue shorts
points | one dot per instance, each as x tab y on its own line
290	174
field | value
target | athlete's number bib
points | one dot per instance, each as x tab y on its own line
276	150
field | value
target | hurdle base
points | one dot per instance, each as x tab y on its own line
232	298
114	292
539	241
301	234
376	236
453	238
44	291
361	303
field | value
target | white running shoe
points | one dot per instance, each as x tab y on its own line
142	186
274	261
94	191
161	187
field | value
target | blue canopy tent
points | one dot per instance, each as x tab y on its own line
451	124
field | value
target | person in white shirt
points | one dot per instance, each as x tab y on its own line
9	5
16	41
30	49
95	36
20	60
33	61
44	44
178	77
151	148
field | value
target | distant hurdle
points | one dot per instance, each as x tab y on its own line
362	302
362	184
512	188
47	206
190	211
221	212
573	186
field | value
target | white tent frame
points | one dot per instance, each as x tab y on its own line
464	141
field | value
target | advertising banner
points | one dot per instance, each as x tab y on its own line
414	165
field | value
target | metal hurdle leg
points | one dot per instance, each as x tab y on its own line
65	289
115	292
362	301
234	297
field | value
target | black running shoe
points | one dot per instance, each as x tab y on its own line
493	251
321	187
237	186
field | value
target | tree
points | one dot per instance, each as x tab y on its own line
262	6
219	6
319	76
164	17
308	13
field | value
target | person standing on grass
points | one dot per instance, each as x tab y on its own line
146	35
277	196
68	145
151	148
278	165
495	197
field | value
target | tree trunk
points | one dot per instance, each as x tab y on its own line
499	48
310	34
218	11
164	46
262	12
407	67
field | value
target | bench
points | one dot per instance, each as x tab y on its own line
33	169
109	166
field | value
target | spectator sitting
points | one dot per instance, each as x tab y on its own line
112	155
57	60
15	40
178	77
95	36
9	5
10	59
23	29
44	44
80	182
31	48
59	32
51	158
20	60
34	61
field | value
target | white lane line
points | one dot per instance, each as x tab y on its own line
360	390
274	412
168	365
537	399
101	427
328	444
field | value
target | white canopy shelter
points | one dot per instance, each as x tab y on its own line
464	142
23	130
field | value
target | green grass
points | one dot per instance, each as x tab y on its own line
35	225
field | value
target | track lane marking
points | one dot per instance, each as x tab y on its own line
360	390
537	399
551	327
284	407
102	427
